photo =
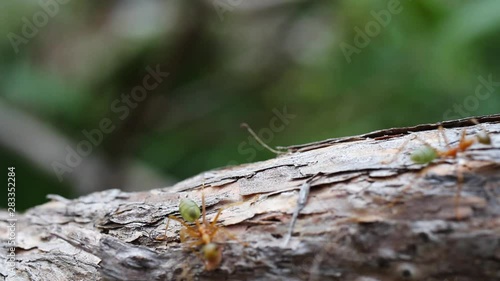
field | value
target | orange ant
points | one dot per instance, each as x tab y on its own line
202	234
426	154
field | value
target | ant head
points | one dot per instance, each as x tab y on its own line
212	254
483	138
424	155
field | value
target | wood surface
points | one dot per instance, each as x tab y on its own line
367	218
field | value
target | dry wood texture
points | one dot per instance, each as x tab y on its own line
365	219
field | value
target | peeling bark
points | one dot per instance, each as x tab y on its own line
365	219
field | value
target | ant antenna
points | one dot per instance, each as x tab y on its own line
203	207
245	125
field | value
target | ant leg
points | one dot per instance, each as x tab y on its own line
214	221
233	237
446	141
186	232
422	155
426	144
166	226
204	208
188	229
212	227
405	188
171	217
186	274
419	175
464	142
193	248
195	244
197	254
460	181
405	143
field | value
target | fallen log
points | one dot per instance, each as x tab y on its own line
365	218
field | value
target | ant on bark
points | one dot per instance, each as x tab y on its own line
426	154
201	234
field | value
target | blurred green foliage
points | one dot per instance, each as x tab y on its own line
232	64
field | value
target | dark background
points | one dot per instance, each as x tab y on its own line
336	67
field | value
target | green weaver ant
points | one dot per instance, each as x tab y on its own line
202	233
427	153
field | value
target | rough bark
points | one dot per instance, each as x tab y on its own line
365	219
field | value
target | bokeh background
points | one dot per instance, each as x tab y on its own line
296	71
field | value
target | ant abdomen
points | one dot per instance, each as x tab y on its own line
190	211
424	155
